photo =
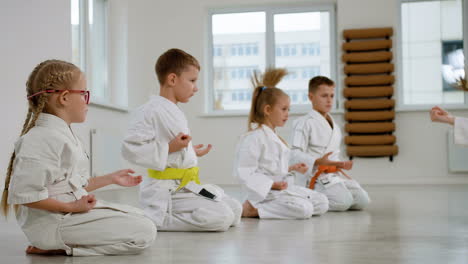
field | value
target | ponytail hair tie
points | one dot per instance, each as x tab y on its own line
263	88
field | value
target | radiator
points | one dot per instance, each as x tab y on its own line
457	155
105	154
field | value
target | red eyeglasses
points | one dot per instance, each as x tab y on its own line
85	93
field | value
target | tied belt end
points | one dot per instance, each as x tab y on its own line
325	169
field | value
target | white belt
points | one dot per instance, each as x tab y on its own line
60	188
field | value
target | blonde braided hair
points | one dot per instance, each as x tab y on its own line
49	74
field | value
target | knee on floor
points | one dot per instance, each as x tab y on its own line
361	202
236	208
341	203
145	232
218	218
301	209
321	206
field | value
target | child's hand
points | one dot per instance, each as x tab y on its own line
299	167
179	142
440	115
123	178
279	186
83	205
347	165
326	162
200	151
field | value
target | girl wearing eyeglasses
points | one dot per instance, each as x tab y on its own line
48	180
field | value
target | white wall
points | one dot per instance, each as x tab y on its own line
153	27
157	26
26	28
33	31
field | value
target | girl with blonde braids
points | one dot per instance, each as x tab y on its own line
262	158
48	179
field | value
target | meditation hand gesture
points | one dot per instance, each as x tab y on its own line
279	186
84	204
440	115
179	142
299	167
123	178
325	161
200	151
347	165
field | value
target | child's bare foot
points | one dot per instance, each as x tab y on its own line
248	210
35	250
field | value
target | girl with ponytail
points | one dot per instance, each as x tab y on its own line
262	158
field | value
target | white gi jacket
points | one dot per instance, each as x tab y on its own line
313	137
154	125
261	159
50	163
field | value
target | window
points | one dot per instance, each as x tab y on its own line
255	49
241	96
217	50
293	34
233	51
294	98
278	52
273	37
233	74
99	41
432	52
89	29
286	50
247	51
240	50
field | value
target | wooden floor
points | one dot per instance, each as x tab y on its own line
404	224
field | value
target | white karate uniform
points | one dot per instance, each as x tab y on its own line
51	163
312	138
262	158
460	131
154	125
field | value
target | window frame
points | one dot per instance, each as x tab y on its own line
270	51
399	96
85	57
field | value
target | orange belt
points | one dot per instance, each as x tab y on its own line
326	169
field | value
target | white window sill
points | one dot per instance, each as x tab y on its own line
338	111
109	106
244	113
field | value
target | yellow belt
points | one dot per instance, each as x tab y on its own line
184	175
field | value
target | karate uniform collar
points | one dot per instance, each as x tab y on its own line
56	123
272	134
164	100
48	120
166	106
315	114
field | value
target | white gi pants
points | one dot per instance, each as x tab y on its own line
344	195
293	203
106	232
190	212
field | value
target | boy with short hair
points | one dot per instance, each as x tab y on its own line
316	141
159	139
